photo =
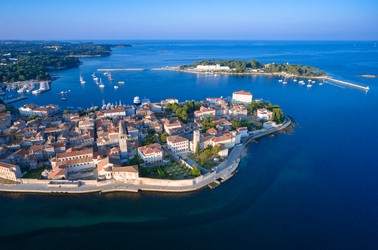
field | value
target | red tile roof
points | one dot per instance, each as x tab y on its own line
242	92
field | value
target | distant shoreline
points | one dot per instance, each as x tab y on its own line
283	74
276	74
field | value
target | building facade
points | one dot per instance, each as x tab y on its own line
178	144
242	96
9	171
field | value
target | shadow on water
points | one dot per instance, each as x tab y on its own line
251	189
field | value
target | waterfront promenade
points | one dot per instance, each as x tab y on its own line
219	174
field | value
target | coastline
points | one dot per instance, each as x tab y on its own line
176	69
275	74
220	174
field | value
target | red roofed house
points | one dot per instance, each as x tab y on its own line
242	96
9	171
178	144
243	131
151	154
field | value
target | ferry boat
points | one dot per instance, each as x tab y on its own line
137	101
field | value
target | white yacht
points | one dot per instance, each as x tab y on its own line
115	87
137	101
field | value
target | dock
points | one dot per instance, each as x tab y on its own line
349	84
16	99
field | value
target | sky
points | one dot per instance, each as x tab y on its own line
189	19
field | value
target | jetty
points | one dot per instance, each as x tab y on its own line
349	84
122	69
15	99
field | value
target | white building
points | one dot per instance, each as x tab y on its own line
269	124
242	96
227	140
115	112
204	112
125	173
32	109
243	131
264	114
151	154
73	165
9	171
178	144
107	170
216	67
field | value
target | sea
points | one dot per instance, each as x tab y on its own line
313	188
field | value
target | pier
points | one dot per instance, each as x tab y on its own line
15	99
124	69
349	84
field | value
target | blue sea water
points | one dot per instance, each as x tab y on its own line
313	189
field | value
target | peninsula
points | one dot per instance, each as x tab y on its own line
253	67
167	146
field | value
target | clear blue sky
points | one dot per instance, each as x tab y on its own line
190	19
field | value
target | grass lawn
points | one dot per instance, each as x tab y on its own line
35	173
209	162
172	171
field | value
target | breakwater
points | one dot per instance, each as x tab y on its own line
122	69
353	85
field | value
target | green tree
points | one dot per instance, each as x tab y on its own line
161	172
33	117
163	137
207	123
277	115
136	161
195	171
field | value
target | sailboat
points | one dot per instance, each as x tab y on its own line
81	79
63	98
101	85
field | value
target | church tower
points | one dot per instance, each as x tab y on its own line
122	138
196	139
